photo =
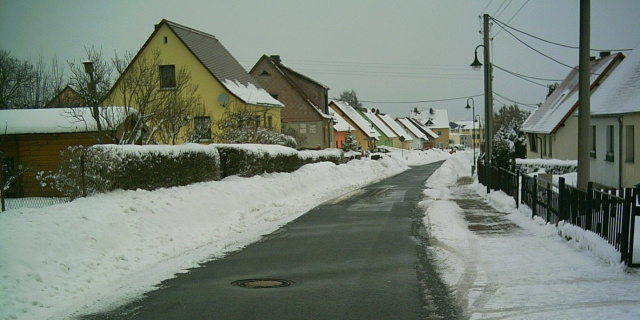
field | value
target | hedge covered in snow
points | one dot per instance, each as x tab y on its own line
247	160
552	166
103	168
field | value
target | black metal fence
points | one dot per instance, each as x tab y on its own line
28	187
607	214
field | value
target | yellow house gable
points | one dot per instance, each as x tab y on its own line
219	80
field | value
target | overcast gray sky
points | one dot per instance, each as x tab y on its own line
397	51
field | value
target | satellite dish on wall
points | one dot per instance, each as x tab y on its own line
223	99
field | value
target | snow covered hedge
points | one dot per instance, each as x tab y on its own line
247	160
552	166
103	168
131	167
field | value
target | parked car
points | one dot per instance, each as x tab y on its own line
377	153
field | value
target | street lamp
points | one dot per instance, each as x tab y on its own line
488	97
95	111
473	129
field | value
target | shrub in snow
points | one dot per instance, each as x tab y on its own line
102	168
248	134
350	143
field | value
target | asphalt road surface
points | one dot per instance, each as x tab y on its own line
361	256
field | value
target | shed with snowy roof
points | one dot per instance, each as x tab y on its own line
32	141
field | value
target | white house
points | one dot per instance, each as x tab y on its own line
552	130
615	127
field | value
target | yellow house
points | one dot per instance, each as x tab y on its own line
218	85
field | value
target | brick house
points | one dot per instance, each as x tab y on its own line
306	115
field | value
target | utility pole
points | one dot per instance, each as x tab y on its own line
488	100
584	96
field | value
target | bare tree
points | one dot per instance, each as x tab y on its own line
169	113
16	78
92	86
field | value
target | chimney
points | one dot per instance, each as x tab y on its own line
276	58
604	54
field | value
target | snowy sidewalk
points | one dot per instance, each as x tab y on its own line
501	264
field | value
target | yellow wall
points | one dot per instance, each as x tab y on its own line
176	53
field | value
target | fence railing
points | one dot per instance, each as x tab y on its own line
609	215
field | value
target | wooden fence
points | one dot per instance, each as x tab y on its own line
609	215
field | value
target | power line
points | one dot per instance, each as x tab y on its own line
521	75
423	101
514	15
504	26
516	102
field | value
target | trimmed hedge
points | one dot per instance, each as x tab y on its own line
103	168
247	160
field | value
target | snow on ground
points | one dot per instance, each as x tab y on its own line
530	273
96	252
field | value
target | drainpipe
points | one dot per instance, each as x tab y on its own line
620	152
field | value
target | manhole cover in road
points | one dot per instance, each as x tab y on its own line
263	283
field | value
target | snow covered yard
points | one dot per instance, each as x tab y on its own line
95	252
528	273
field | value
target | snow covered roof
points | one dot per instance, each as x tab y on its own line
401	132
412	128
59	120
563	101
427	132
439	118
341	125
220	63
380	124
353	115
621	92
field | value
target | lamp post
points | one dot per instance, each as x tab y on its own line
488	97
95	111
473	130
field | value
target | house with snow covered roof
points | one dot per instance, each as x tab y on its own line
365	131
341	129
469	132
438	122
387	136
32	140
306	113
615	127
420	138
404	137
223	85
552	130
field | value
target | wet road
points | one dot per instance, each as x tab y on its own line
361	256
